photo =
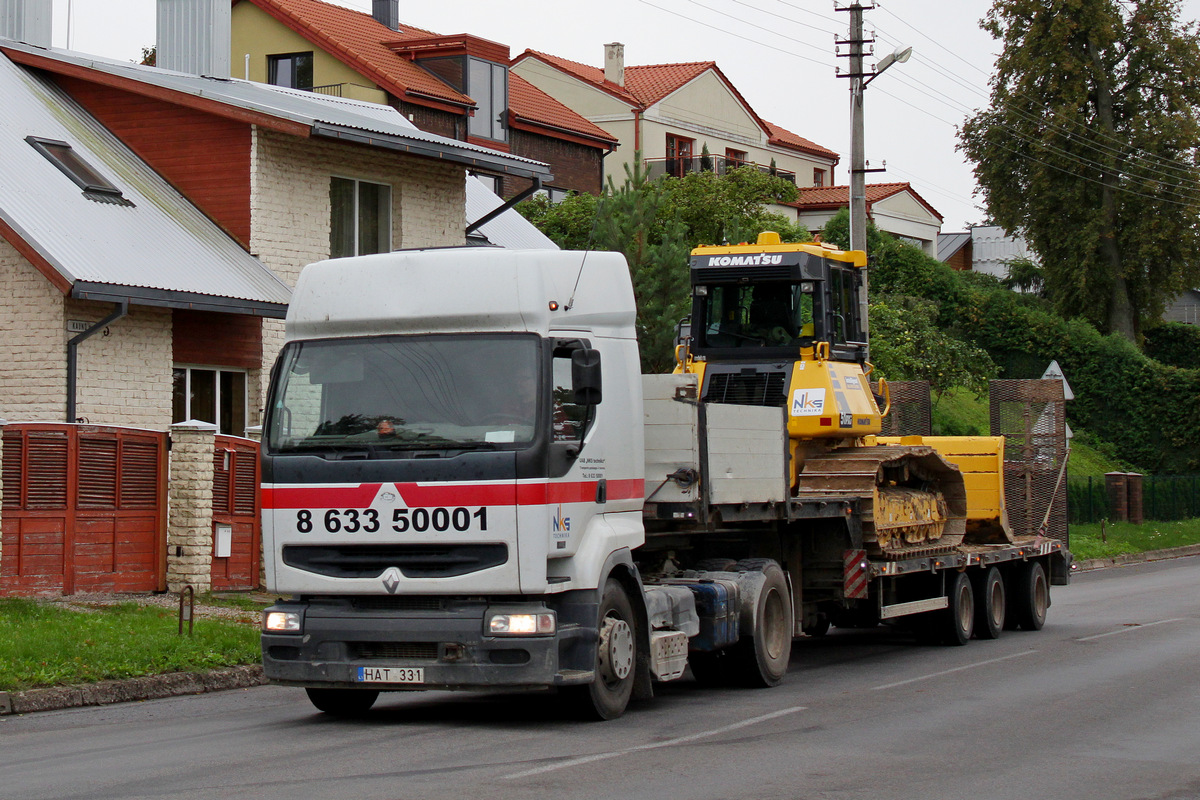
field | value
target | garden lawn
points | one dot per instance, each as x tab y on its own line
1123	537
42	644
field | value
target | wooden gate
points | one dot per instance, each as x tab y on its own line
237	527
84	509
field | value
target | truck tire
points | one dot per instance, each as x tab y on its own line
343	702
1029	599
990	602
607	696
762	656
958	620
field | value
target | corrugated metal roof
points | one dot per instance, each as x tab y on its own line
332	117
161	250
950	243
510	229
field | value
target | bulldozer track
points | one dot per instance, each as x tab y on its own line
912	500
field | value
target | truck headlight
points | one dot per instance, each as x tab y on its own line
281	621
521	625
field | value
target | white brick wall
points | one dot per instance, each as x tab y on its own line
33	372
290	210
125	374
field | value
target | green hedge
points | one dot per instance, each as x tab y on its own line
1150	411
1176	344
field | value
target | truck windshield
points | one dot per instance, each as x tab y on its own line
384	393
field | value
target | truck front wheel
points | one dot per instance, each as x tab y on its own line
616	657
343	702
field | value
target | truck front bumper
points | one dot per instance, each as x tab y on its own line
444	638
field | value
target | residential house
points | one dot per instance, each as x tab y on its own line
895	208
672	114
166	215
458	86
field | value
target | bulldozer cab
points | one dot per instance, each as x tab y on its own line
778	324
768	301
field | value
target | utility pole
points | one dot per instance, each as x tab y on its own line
858	161
859	78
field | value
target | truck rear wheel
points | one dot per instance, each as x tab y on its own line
343	702
957	622
616	658
1029	599
990	603
762	657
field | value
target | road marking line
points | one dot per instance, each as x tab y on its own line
951	671
1129	628
574	762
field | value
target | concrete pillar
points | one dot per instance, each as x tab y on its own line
189	506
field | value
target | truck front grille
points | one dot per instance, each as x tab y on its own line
366	651
413	560
747	388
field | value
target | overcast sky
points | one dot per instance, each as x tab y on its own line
778	53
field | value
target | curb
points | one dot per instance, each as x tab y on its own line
1137	558
152	687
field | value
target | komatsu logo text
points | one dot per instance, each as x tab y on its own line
744	261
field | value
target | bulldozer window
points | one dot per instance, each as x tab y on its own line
774	314
844	296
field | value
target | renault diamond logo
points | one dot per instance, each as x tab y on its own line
391	579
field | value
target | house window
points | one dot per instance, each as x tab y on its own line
818	177
293	70
679	155
553	193
494	183
360	219
487	84
94	185
736	158
212	395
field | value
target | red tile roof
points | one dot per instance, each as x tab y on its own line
785	138
646	85
529	105
820	198
357	39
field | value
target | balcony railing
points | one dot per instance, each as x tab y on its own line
333	89
678	167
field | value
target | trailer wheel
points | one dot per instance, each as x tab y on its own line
958	620
343	702
990	602
616	658
1029	599
762	656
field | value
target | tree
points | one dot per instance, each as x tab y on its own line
1089	149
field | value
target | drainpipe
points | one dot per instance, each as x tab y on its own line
119	310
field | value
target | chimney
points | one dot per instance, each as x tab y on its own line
614	63
386	12
195	36
26	21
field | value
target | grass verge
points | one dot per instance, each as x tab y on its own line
45	645
1120	538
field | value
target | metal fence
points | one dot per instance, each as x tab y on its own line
1164	498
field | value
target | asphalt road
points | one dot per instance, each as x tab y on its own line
1102	703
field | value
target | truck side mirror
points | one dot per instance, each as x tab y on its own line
585	376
